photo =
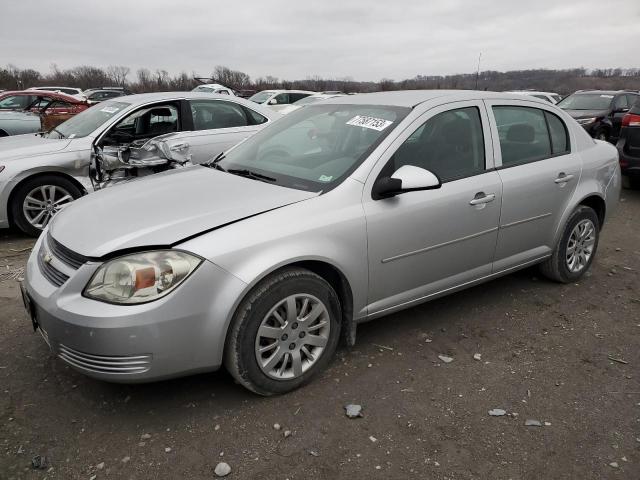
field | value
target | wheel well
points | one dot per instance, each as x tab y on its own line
597	204
340	284
36	175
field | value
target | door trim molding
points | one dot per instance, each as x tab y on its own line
433	247
530	219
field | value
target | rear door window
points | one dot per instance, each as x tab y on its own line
214	114
524	136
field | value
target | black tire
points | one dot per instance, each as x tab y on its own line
601	134
240	355
17	200
555	267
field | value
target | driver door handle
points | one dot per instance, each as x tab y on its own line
563	178
482	197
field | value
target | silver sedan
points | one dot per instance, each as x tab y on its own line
339	213
40	174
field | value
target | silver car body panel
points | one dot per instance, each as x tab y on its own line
29	155
392	253
18	122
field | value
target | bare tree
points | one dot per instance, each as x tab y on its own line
118	74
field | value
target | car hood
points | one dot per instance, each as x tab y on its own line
29	145
164	209
587	113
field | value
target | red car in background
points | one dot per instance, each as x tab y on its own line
53	108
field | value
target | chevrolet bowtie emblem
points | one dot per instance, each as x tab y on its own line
46	258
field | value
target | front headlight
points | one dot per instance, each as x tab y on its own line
141	277
585	121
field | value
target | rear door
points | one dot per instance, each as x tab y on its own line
424	242
217	126
539	172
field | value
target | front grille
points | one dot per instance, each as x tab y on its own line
104	363
71	258
51	273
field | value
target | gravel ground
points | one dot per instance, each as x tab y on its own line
545	351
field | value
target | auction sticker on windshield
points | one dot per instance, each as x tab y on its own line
110	109
373	123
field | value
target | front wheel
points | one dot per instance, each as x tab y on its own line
284	333
38	199
574	252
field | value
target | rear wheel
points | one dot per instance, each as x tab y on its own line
574	252
37	200
284	333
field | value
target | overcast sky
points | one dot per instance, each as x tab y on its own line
361	39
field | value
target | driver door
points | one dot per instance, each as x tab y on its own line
424	242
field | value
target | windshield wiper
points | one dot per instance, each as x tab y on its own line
244	172
214	163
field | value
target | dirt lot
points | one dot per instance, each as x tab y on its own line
545	350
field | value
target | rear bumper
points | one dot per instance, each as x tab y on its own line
629	165
179	334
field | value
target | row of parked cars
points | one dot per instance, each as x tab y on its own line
71	155
263	255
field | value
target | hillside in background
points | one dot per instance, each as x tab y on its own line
144	80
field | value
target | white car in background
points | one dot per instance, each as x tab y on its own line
41	174
214	88
284	109
276	98
75	92
550	97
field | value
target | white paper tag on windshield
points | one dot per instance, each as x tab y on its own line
606	96
109	109
373	123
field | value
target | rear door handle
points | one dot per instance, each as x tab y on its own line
563	178
482	197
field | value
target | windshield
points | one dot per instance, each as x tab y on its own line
316	147
586	101
261	97
86	122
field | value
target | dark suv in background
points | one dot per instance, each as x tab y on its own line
600	112
629	146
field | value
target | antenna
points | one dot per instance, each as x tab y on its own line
478	70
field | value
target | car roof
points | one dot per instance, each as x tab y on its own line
411	98
287	91
142	98
57	95
531	92
52	86
603	92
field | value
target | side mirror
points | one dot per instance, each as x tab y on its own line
407	178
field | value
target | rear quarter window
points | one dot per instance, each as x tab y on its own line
558	133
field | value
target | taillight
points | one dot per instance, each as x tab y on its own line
631	120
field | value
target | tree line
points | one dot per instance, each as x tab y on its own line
145	80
